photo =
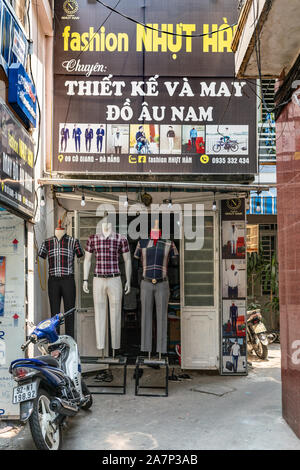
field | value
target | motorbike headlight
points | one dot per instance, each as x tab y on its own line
44	324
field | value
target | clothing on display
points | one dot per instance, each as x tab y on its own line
104	290
160	294
107	284
154	255
107	251
63	288
60	255
61	284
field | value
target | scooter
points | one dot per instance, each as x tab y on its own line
257	337
50	387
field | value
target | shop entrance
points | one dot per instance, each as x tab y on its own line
193	312
84	224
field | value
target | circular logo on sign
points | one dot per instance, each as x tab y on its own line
234	204
70	7
60	157
204	159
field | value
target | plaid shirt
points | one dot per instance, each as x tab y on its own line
60	254
155	258
107	252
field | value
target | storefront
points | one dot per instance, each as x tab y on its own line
201	310
156	106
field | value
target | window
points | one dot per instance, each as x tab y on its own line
199	269
268	241
252	238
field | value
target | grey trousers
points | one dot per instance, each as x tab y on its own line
160	293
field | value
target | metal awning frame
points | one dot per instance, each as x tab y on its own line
167	185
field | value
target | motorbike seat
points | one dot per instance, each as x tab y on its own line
51	361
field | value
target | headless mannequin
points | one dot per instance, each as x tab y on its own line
106	230
155	234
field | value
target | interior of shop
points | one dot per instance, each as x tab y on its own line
131	304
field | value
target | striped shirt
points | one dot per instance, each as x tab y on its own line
61	255
155	258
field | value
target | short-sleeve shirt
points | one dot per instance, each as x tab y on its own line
107	251
155	258
60	254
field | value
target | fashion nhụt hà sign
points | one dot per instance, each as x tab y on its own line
134	99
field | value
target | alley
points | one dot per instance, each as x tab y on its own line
248	417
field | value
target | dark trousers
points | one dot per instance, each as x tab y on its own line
232	292
63	143
235	361
63	288
233	323
77	143
99	143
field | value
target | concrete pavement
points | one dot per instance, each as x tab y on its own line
247	415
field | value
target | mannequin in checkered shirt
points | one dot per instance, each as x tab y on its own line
107	286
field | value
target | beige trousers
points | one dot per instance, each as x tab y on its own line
108	290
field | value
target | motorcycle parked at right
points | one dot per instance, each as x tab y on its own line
257	337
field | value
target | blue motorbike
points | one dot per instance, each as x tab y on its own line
50	387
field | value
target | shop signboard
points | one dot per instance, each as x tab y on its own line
12	318
13	40
234	287
22	94
134	99
16	164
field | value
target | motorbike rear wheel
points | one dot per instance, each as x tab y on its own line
261	351
45	434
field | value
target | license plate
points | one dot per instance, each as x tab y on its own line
259	328
25	392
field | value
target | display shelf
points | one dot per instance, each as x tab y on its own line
110	361
144	361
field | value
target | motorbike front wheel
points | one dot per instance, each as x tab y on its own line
88	394
261	351
46	435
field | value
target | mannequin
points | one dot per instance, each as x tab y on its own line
107	286
59	231
155	254
61	250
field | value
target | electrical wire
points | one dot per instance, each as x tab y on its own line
70	98
160	30
33	81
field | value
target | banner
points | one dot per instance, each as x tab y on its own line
234	287
133	99
16	163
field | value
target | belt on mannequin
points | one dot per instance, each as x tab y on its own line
155	281
107	275
67	276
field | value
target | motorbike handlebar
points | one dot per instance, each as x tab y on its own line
65	314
